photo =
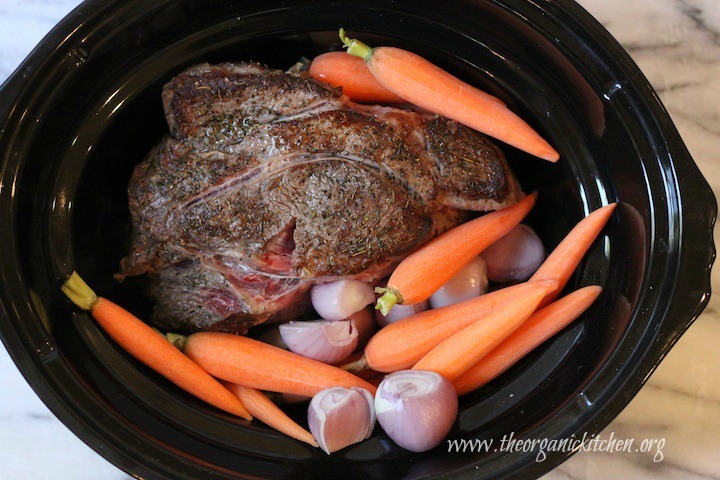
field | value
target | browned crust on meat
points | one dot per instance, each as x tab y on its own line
280	176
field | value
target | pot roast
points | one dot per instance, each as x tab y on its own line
270	182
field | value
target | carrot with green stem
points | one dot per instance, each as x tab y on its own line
401	344
566	257
428	268
352	75
259	365
458	353
541	325
421	83
262	408
152	348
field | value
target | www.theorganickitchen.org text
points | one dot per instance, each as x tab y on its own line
542	446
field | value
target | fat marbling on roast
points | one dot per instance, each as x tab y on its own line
271	181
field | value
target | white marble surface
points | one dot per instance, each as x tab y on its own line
677	45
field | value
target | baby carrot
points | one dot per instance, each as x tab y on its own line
152	348
352	75
457	354
428	268
419	82
342	70
262	408
256	364
542	325
401	344
566	257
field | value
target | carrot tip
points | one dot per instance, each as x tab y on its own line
387	301
551	156
79	292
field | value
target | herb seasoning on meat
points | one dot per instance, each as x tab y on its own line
270	182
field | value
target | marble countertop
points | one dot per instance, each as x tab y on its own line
676	43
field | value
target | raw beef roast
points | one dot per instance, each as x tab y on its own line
270	182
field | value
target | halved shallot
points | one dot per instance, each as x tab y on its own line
321	340
338	417
416	408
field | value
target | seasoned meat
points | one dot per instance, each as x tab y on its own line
270	182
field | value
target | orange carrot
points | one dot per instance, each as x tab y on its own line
457	354
256	364
542	325
563	261
419	82
352	75
152	348
262	408
428	268
342	70
401	344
